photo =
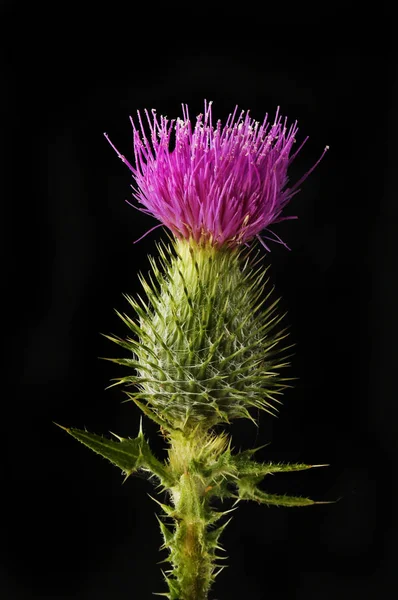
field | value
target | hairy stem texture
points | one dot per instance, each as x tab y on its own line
193	541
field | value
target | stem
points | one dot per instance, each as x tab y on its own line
191	555
193	569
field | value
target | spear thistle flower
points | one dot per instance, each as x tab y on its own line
223	185
204	343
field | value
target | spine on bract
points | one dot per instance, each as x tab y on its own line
206	346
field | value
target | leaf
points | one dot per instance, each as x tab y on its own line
127	454
247	493
168	534
263	498
247	467
213	535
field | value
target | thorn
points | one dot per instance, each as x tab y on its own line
67	429
117	436
167	534
169	510
126	477
219	571
226	512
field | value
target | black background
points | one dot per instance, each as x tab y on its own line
70	529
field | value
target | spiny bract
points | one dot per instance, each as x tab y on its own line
205	349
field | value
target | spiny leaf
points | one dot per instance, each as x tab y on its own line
213	535
252	493
246	466
127	454
169	510
173	587
168	535
216	516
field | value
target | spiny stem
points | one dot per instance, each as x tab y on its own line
192	548
192	564
201	468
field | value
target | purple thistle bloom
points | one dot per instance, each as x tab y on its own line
222	185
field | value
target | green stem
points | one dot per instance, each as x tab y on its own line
193	569
191	555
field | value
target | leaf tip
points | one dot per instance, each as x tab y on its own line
328	501
67	429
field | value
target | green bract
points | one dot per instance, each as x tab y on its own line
204	349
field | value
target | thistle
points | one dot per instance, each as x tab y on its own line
205	344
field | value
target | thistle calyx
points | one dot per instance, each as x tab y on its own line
205	347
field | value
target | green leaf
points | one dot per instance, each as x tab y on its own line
169	510
248	493
127	454
213	535
247	467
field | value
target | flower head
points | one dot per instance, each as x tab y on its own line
212	183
